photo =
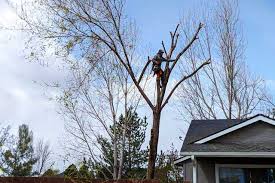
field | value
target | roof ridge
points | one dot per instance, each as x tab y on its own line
260	114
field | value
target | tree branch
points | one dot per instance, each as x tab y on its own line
183	79
195	37
164	49
143	70
173	41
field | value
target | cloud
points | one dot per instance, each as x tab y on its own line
23	99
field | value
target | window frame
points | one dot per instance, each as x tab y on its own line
218	166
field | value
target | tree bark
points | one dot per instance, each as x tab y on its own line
115	159
153	150
153	144
122	148
125	125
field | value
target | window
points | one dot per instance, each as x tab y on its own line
246	174
232	175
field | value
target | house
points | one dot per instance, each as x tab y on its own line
229	151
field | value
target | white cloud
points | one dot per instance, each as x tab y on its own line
22	98
7	15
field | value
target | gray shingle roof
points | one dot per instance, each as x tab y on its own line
200	129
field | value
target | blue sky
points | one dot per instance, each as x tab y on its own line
155	18
23	101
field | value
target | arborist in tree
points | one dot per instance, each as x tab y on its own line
157	60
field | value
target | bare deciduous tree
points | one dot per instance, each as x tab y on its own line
91	104
84	28
43	155
225	89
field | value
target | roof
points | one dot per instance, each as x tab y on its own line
202	131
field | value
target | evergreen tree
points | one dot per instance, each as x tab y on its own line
84	173
19	160
4	140
134	156
71	172
101	170
50	173
166	171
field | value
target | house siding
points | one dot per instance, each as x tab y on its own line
206	170
187	168
260	132
258	137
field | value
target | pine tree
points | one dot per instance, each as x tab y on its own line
19	160
71	172
50	173
84	173
134	156
4	137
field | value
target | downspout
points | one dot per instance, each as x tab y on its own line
194	168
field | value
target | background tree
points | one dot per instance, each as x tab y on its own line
166	171
84	172
225	89
90	29
5	138
42	153
71	172
19	160
50	173
91	105
134	156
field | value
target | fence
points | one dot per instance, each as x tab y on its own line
63	180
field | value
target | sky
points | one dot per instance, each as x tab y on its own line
156	18
24	100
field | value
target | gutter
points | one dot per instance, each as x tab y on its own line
230	154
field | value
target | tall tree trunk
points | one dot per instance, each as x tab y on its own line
115	155
122	152
125	125
153	145
153	150
115	159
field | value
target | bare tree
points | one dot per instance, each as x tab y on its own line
225	89
92	104
82	28
43	155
